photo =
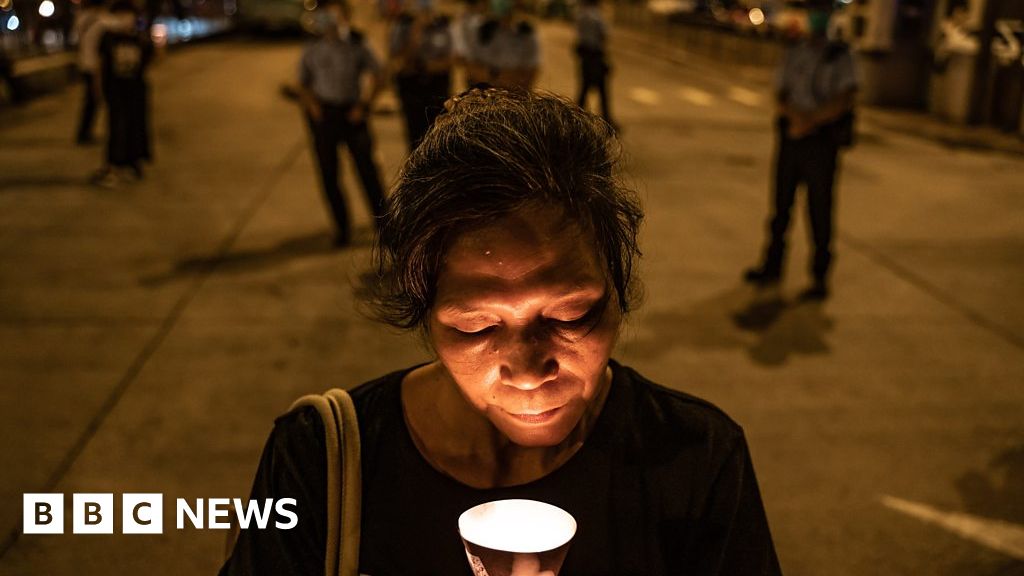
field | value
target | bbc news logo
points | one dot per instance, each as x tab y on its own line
144	513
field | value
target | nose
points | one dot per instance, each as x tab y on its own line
528	362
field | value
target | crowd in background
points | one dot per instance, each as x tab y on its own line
340	77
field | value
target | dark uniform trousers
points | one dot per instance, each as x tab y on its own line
813	161
593	75
423	97
331	130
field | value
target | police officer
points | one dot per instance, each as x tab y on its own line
421	53
508	50
816	86
330	73
466	33
591	38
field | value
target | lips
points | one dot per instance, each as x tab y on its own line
538	417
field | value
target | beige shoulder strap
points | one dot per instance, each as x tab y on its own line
344	489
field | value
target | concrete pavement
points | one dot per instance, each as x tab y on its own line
149	334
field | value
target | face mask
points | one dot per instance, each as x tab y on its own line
817	22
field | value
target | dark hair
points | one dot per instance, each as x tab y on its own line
123	6
493	152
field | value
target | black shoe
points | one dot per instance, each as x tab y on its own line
761	276
816	292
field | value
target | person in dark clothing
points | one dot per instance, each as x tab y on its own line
591	41
337	111
511	243
125	55
421	54
817	83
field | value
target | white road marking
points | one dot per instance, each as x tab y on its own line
696	96
645	96
744	96
999	535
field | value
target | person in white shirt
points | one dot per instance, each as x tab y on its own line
89	26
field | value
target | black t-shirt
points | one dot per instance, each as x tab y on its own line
663	485
124	58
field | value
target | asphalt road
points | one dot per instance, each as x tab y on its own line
149	334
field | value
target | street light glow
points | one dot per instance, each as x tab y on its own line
756	16
46	9
13	23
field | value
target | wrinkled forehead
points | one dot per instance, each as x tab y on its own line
532	248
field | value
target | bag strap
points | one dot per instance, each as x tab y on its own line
344	479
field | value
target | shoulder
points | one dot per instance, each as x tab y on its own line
664	418
301	430
375	396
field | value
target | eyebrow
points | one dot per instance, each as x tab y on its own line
578	295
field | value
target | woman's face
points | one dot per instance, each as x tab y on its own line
524	321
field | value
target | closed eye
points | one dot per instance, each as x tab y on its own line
584	320
476	332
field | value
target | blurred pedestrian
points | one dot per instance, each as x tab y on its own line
509	53
89	26
816	84
591	42
421	56
10	88
466	35
331	71
125	54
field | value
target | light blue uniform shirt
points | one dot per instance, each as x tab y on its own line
511	48
331	67
591	30
808	78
